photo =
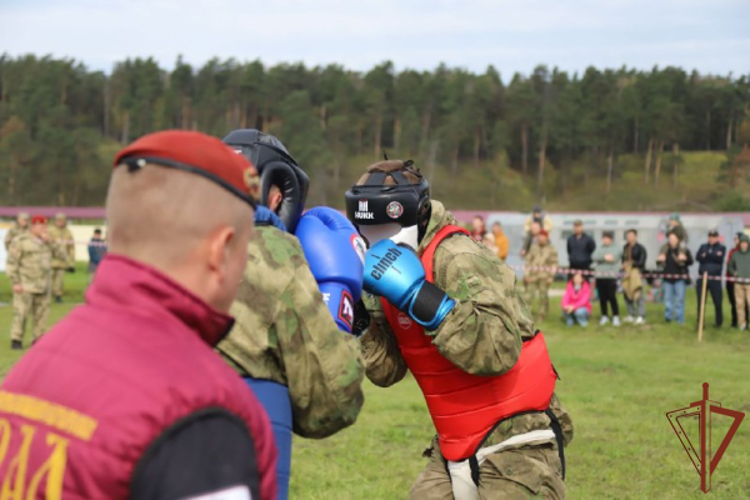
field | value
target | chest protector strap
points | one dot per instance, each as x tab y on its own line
466	407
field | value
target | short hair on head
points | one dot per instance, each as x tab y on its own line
159	215
632	230
479	217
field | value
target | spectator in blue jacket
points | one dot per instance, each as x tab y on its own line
711	257
97	249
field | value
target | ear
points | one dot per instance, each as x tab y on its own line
218	247
274	200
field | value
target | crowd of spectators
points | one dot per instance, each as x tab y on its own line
598	270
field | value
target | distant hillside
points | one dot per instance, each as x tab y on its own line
696	188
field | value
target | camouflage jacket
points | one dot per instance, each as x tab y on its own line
12	233
285	333
482	335
30	262
64	238
541	257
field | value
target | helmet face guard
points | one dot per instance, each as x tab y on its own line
370	205
276	167
376	203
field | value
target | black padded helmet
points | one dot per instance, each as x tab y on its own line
276	167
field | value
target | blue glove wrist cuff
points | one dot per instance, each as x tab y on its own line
430	306
340	304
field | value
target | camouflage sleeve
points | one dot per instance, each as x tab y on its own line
58	251
385	365
8	239
324	365
482	335
553	261
12	265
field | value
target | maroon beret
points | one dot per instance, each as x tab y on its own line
196	153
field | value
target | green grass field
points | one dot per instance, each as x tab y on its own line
617	384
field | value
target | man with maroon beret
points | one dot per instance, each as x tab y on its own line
125	398
29	269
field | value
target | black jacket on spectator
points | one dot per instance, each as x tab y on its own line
638	255
674	266
580	250
711	258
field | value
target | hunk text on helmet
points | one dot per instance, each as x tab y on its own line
385	263
363	212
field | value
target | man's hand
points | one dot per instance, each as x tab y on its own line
17	288
609	258
682	257
661	258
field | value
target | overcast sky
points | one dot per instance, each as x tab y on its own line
709	35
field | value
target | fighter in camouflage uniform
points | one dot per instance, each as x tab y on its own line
29	271
541	264
22	226
284	332
60	233
468	339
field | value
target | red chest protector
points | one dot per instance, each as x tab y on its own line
465	407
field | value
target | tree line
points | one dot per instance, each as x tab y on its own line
61	122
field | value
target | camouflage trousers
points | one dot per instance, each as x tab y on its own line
58	276
532	471
33	305
538	290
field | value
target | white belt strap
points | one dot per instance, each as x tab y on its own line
460	472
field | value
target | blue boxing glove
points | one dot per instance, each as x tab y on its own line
264	216
335	252
395	273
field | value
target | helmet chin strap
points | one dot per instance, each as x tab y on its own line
400	235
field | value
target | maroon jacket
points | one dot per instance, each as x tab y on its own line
112	380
